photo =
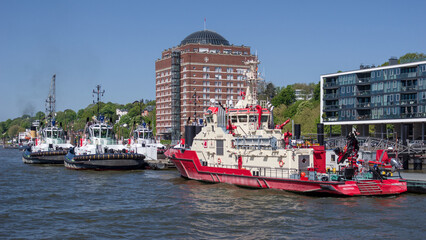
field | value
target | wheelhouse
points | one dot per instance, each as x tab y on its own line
101	131
52	132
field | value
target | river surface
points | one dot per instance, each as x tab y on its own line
52	202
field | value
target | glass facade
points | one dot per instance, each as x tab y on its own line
393	92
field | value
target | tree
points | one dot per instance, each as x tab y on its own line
317	92
286	96
14	130
270	90
40	115
411	57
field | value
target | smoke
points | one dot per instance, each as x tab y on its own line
28	109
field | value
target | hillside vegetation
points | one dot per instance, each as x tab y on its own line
72	121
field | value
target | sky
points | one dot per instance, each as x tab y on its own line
116	43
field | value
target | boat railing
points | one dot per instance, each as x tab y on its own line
263	171
273	172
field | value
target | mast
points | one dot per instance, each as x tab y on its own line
99	94
250	98
51	100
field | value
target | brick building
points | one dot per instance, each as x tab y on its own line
204	66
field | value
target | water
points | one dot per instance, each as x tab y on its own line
51	202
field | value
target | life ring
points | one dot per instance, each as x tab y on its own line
281	162
219	161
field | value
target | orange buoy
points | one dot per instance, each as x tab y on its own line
302	174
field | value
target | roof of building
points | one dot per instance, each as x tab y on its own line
205	37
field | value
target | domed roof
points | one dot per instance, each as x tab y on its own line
205	37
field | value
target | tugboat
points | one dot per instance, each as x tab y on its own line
51	148
240	145
143	142
99	151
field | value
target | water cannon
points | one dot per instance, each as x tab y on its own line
282	125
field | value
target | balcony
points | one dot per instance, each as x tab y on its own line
331	96
363	93
408	75
413	115
331	119
363	81
330	85
408	88
331	108
408	102
363	105
364	117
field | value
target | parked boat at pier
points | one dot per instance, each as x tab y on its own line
51	147
100	151
143	142
239	145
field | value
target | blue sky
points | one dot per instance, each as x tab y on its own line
116	43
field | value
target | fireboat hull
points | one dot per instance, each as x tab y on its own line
107	161
44	157
189	167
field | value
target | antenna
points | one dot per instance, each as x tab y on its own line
99	94
204	24
51	99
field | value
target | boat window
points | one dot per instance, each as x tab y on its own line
49	134
234	119
264	119
219	147
209	119
96	132
242	119
55	134
253	118
135	135
104	133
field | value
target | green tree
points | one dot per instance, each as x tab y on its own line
412	57
317	92
14	130
39	115
286	96
108	110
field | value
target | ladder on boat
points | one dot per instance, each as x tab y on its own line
369	188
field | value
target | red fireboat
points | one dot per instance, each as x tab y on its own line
240	145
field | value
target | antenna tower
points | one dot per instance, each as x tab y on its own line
51	99
99	95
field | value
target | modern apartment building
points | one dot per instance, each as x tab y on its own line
394	94
204	66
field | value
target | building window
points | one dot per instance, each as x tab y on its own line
218	76
206	69
229	70
218	69
206	76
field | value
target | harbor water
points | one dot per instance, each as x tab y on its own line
52	202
